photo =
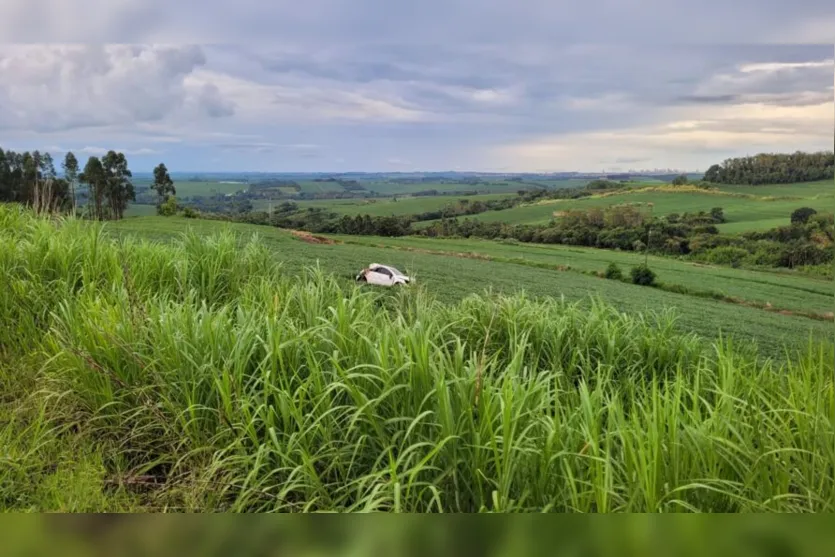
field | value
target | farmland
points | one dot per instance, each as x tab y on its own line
452	278
385	206
745	208
212	372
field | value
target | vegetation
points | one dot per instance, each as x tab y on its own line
745	304
30	179
802	215
642	276
769	168
613	272
163	185
200	375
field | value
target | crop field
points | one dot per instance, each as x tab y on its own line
742	213
136	210
397	188
452	278
311	186
387	206
779	289
213	372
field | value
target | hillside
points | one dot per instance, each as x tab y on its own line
452	277
745	207
199	374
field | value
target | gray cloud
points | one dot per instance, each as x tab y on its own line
52	88
375	92
381	22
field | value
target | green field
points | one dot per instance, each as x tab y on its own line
742	213
384	206
451	278
212	372
397	188
135	210
782	290
205	189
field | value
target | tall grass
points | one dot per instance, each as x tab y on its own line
215	381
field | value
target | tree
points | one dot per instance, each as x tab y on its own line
119	188
712	174
680	180
643	275
613	272
94	176
802	215
163	184
70	166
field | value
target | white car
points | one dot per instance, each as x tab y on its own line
382	275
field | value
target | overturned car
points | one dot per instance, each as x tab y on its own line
382	275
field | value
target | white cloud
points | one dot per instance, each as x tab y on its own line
99	151
682	142
781	66
297	101
53	87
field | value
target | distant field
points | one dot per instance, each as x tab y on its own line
742	213
450	278
135	210
394	188
201	189
385	206
310	186
785	291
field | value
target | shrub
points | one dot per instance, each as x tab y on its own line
680	180
643	275
168	208
802	215
190	213
613	272
727	255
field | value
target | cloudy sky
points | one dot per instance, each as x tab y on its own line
529	85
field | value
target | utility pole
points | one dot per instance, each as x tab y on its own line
649	236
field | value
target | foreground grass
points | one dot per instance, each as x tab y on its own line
451	279
199	375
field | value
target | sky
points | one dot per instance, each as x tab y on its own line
383	85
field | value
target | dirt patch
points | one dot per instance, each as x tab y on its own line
311	238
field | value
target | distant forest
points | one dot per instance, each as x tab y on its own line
767	168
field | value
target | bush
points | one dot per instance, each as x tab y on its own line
190	213
643	276
613	272
168	208
802	215
680	180
727	255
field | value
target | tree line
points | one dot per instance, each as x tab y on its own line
771	168
30	178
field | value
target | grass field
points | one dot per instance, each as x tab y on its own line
199	375
396	188
135	210
742	213
452	278
791	292
385	206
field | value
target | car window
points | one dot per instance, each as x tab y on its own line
382	271
395	271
